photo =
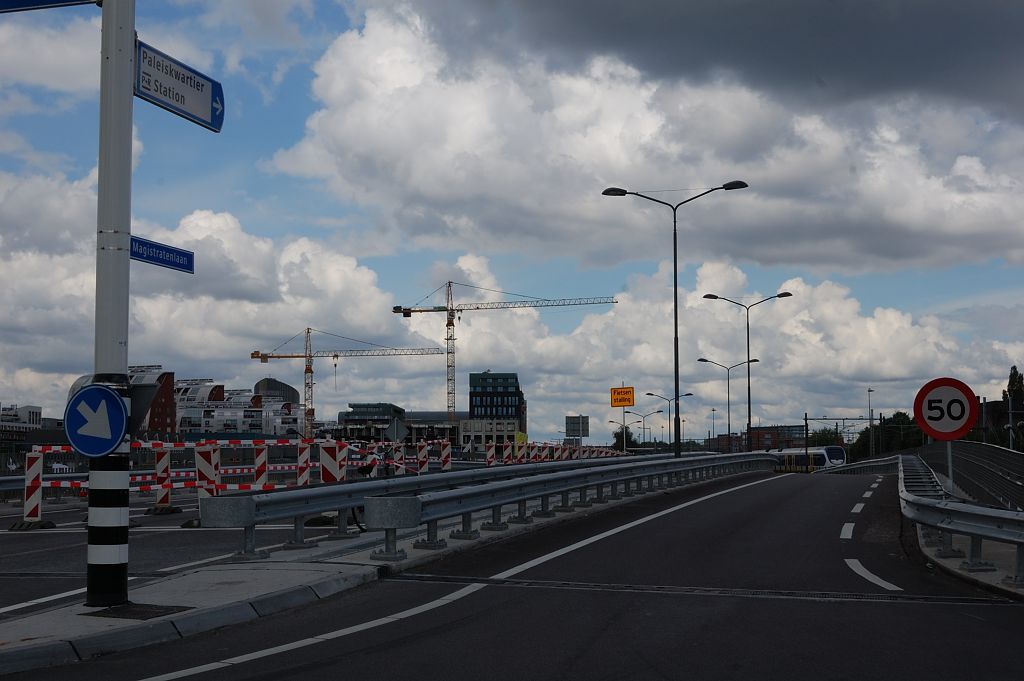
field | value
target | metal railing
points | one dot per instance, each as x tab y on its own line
408	511
924	501
886	466
247	509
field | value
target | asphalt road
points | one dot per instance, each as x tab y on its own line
763	577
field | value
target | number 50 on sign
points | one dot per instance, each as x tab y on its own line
946	408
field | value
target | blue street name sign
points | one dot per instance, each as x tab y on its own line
22	5
153	253
177	87
96	420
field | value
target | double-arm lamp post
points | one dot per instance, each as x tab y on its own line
728	398
780	294
643	420
618	191
670	400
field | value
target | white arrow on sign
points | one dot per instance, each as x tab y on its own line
97	423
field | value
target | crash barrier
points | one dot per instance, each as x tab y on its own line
207	476
887	466
391	513
989	474
924	501
245	510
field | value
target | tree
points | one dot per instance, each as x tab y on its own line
1015	386
630	440
823	436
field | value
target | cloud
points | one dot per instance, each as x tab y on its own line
440	145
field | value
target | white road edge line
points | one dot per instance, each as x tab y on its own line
857	508
856	566
445	600
45	599
847	531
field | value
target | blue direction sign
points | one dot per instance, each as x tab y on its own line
96	420
22	5
177	87
154	253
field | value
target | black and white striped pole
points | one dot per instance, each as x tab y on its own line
107	570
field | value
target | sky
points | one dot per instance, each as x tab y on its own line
373	150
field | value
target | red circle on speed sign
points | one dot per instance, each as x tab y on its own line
946	408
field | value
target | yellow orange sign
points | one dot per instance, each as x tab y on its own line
622	397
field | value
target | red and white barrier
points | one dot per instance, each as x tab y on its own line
506	453
33	487
302	470
259	476
520	452
163	476
334	462
446	456
422	458
491	459
207	470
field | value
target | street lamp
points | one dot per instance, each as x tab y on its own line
624	424
728	405
670	400
780	294
871	427
618	191
643	420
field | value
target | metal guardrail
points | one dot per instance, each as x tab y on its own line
888	465
247	509
405	511
923	500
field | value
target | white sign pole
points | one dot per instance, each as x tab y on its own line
949	465
107	569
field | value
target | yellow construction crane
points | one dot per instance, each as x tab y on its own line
309	354
452	310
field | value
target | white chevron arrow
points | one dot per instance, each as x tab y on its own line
97	424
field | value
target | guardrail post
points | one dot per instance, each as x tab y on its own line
431	542
600	494
298	540
974	563
249	540
1018	579
545	508
467	531
947	550
582	501
521	517
496	525
391	551
565	506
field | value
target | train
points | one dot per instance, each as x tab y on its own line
795	460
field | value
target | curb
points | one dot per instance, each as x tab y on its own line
55	653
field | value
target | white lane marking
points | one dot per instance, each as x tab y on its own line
856	566
874	485
45	599
847	531
444	600
857	508
229	555
868	494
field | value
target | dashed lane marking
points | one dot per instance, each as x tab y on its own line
847	531
857	508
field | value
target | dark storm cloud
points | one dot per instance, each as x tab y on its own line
816	51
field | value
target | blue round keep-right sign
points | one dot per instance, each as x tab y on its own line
96	420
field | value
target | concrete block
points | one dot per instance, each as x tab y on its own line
214	618
36	656
339	583
125	639
282	600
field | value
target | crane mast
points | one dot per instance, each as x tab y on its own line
451	309
309	354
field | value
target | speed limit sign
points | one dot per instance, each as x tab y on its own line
946	408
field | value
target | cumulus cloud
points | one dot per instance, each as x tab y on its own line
442	146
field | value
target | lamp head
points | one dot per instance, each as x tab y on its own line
702	360
614	191
711	296
753	360
735	184
783	294
687	395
